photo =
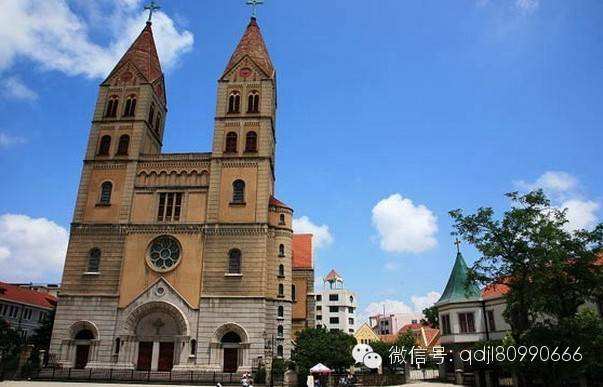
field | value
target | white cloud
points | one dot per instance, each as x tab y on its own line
50	34
7	140
322	235
31	249
426	301
14	88
527	6
403	226
404	311
563	190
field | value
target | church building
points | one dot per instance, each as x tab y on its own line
179	261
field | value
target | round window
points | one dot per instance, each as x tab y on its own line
164	253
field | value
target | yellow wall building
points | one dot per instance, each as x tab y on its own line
365	335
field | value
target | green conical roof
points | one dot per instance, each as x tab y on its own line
456	289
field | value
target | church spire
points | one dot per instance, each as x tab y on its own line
142	54
253	47
457	289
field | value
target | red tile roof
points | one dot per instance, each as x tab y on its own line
494	291
411	326
301	247
388	339
252	45
277	203
332	276
21	295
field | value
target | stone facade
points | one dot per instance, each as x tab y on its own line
178	261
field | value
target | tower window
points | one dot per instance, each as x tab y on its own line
112	106
253	102
234	261
293	296
123	145
158	122
281	270
130	106
94	257
234	102
281	220
117	345
281	311
231	142
281	290
281	250
238	191
105	196
280	331
151	114
105	145
251	142
170	205
193	347
279	351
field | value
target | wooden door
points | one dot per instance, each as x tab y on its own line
166	357
231	359
81	356
145	355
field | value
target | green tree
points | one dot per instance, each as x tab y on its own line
10	346
431	317
318	345
549	270
41	337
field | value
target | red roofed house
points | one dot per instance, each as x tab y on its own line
24	309
426	336
302	313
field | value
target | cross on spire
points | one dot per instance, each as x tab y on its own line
457	242
254	4
151	7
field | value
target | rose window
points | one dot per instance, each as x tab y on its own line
164	253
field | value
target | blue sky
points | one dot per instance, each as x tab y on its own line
391	113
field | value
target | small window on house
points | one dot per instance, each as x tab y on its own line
94	257
319	316
351	321
130	106
279	351
281	250
234	261
333	297
251	142
281	270
158	122
334	320
105	196
318	307
234	102
123	145
231	143
238	191
281	219
281	290
105	145
319	297
491	322
112	106
293	295
333	309
466	322
446	324
117	345
193	347
253	102
281	311
151	114
280	331
170	207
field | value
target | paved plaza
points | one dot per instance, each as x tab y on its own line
69	384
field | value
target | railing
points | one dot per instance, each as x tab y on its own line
424	374
169	377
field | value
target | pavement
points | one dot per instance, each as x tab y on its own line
71	384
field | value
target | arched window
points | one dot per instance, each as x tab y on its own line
193	347
280	331
293	293
251	142
94	257
231	143
281	290
238	191
279	351
234	261
234	102
117	345
123	145
105	145
151	113
281	270
130	106
158	122
84	334
253	102
112	106
105	196
281	219
281	250
281	311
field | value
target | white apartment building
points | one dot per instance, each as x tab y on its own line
335	305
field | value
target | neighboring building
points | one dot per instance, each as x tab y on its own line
365	335
387	324
302	312
425	336
178	260
24	309
52	289
335	305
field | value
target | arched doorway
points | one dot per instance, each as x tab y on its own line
84	336
231	343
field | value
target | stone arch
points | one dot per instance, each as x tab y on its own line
231	327
79	326
130	324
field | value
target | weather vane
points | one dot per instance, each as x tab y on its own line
151	7
253	4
